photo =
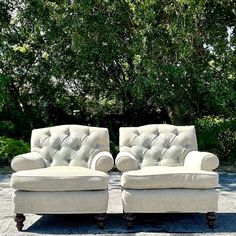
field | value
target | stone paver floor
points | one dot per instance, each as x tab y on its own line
159	224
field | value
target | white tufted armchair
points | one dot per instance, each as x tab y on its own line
65	172
164	172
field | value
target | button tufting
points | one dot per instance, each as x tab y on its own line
66	144
67	132
48	157
176	132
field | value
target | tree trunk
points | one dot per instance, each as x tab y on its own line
176	115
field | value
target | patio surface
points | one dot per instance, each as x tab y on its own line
159	224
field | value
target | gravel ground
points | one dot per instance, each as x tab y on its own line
159	224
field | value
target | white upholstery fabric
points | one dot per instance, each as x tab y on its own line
158	177
164	145
27	161
201	160
60	202
59	178
169	200
171	177
125	161
73	145
103	161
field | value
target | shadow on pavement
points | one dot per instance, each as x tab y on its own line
168	223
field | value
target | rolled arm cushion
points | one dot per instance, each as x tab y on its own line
27	161
103	161
201	160
125	161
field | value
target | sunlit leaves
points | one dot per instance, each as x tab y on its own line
23	49
100	56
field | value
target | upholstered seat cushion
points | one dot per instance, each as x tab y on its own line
59	178
159	177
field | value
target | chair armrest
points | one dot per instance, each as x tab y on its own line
201	160
125	161
27	161
103	161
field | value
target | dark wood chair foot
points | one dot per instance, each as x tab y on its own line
19	219
129	217
101	220
211	219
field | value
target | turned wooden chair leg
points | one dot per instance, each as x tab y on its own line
211	219
19	219
101	220
129	217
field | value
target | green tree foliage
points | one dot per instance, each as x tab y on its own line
10	147
115	63
217	135
185	57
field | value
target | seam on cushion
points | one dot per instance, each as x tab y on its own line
206	157
18	157
168	174
64	139
52	177
64	190
210	154
117	161
202	161
125	154
174	167
99	159
144	152
55	176
54	154
200	188
133	140
155	138
182	172
85	136
45	139
97	162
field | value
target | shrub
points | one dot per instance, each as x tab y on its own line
217	135
10	147
114	149
6	128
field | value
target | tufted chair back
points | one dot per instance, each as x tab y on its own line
162	144
73	145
